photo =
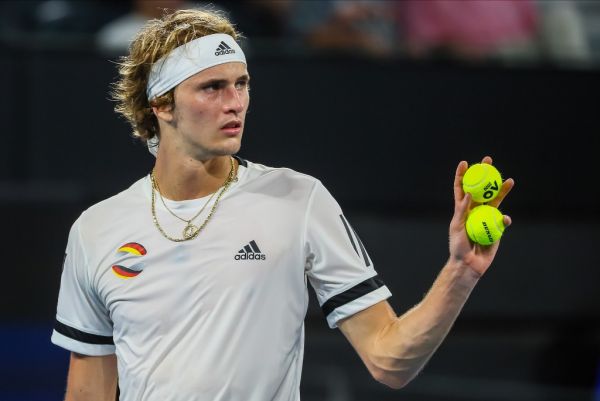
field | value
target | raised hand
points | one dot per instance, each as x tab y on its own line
474	256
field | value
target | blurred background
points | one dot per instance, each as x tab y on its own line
378	99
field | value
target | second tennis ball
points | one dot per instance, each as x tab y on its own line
485	225
482	181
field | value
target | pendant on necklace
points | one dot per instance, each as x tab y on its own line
190	231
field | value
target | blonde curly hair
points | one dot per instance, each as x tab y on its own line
155	40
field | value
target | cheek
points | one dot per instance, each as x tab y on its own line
246	100
196	109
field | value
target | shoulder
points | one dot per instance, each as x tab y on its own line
279	177
280	184
113	211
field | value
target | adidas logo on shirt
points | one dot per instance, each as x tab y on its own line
223	49
250	252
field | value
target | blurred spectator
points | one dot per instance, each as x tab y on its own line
54	23
115	36
559	31
471	29
363	26
563	34
261	19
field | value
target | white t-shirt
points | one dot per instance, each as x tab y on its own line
219	317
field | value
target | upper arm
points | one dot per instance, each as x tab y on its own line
338	265
363	328
92	378
83	324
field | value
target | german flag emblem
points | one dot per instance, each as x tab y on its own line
132	248
123	272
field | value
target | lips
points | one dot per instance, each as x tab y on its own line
232	128
232	124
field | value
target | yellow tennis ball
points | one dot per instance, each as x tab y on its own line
482	181
485	225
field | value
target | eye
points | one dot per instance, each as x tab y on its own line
242	84
211	87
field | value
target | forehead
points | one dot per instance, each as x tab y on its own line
227	71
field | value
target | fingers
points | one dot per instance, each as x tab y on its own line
459	194
460	172
461	209
507	221
506	187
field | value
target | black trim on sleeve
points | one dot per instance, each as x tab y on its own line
80	335
351	294
346	226
241	161
362	248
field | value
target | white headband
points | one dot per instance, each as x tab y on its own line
187	60
191	58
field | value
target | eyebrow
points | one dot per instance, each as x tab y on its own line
220	81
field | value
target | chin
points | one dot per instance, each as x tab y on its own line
232	147
226	149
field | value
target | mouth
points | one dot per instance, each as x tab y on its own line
232	128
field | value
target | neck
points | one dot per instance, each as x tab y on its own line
189	178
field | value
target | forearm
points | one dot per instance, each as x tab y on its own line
403	347
395	349
92	378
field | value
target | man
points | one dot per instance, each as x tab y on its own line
191	284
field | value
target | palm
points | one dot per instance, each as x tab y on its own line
475	256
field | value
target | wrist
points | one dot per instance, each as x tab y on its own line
461	271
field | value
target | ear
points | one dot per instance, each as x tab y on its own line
164	113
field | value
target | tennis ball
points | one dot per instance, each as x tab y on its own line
485	225
482	181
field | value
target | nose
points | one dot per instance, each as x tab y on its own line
234	100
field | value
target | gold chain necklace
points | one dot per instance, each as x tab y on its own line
189	222
190	231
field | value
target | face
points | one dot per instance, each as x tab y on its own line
209	113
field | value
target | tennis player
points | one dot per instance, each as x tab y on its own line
192	283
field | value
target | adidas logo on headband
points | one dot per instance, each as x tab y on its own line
191	58
223	49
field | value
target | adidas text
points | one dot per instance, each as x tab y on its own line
223	49
222	52
250	256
